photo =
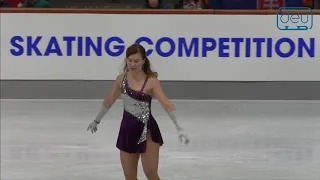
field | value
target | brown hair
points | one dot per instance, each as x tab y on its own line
137	48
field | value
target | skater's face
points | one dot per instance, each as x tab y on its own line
135	62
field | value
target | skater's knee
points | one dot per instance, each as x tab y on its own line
131	176
151	174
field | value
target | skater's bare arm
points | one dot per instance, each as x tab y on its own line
160	95
115	92
166	104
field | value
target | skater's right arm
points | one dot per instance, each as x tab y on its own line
115	92
110	99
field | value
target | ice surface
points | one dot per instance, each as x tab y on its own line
47	140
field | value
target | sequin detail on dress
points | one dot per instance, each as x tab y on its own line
139	108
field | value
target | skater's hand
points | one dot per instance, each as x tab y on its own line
183	137
93	127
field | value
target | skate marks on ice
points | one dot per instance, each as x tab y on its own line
229	141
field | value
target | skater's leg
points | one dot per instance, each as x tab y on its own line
150	159
129	162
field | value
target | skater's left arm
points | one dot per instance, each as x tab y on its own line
161	96
165	102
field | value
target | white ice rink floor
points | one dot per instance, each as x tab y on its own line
232	140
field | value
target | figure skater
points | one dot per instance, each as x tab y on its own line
139	133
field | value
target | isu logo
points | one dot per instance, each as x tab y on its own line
270	4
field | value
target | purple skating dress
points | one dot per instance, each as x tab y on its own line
137	120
